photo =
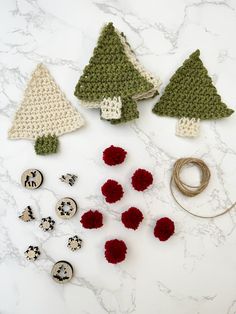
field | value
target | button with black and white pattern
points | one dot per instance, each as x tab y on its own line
47	224
74	243
32	253
62	272
27	214
66	208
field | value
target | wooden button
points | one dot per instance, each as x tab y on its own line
74	243
68	178
47	224
27	214
31	179
66	208
62	272
32	253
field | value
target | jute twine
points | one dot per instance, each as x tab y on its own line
189	190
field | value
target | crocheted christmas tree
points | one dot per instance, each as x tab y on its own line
44	114
191	96
114	79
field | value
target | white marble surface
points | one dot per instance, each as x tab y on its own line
195	271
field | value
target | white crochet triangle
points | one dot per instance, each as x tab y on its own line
44	109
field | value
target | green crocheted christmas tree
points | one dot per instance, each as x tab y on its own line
113	80
191	96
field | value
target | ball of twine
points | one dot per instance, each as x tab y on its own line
190	190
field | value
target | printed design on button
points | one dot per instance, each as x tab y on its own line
32	253
31	179
62	272
47	224
74	243
66	208
68	178
27	214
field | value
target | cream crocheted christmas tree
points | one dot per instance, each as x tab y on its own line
44	114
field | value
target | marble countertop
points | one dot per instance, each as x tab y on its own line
195	271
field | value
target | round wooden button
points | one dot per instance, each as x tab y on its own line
66	208
62	272
31	179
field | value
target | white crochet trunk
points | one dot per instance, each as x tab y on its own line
187	127
111	108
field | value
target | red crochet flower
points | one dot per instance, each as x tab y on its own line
114	155
164	229
112	191
141	179
115	251
92	219
132	218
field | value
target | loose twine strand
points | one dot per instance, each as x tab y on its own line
189	190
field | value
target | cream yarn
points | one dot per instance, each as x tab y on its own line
44	109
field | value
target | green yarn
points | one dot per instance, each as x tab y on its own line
110	73
45	145
129	111
191	93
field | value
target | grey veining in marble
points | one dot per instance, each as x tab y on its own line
195	271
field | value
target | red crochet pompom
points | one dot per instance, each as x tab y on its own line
132	218
92	219
114	155
141	179
164	229
112	191
115	251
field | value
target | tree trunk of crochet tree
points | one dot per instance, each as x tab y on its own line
191	96
44	114
114	79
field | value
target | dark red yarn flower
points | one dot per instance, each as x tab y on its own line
132	218
141	179
164	229
112	191
115	251
114	155
92	219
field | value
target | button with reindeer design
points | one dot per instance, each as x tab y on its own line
62	272
31	179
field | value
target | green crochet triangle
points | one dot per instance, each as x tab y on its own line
191	93
110	73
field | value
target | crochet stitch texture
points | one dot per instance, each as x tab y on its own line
191	94
45	113
46	145
113	80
